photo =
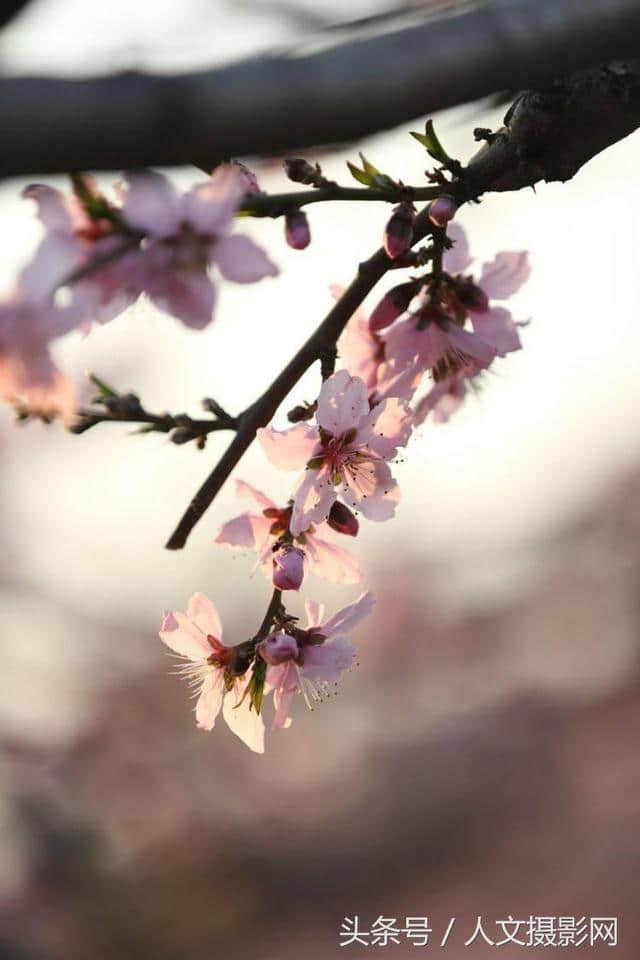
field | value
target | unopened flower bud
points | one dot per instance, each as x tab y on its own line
398	233
300	171
278	648
342	520
296	230
441	210
393	304
288	568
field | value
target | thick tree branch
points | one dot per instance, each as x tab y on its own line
276	104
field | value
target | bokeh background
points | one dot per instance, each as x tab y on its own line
483	759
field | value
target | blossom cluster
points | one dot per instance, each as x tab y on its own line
99	254
425	343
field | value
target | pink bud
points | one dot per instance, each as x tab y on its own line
441	210
278	648
342	520
398	233
296	230
392	305
288	568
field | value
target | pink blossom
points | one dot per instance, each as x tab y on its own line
263	532
196	638
345	453
185	235
444	399
288	568
277	648
316	663
432	339
73	239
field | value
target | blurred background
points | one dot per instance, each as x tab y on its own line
482	761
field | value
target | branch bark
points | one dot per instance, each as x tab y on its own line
280	103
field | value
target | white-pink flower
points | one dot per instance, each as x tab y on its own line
196	637
313	665
344	454
186	235
263	531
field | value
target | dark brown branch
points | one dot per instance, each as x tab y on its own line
280	103
126	408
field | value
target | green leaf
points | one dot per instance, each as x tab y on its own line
105	390
360	175
429	140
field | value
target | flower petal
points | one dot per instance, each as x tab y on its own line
350	616
188	295
315	613
370	488
328	661
388	427
210	699
342	403
182	636
497	328
288	449
331	562
244	489
505	274
204	615
244	722
210	205
457	259
312	499
151	203
247	531
241	260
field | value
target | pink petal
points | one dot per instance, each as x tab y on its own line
359	350
404	341
497	328
342	403
505	274
188	295
182	636
151	203
457	259
398	380
387	427
315	613
372	490
331	562
56	211
204	615
350	616
312	499
210	206
244	489
285	681
241	260
328	661
248	531
470	346
210	699
245	723
289	449
444	399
